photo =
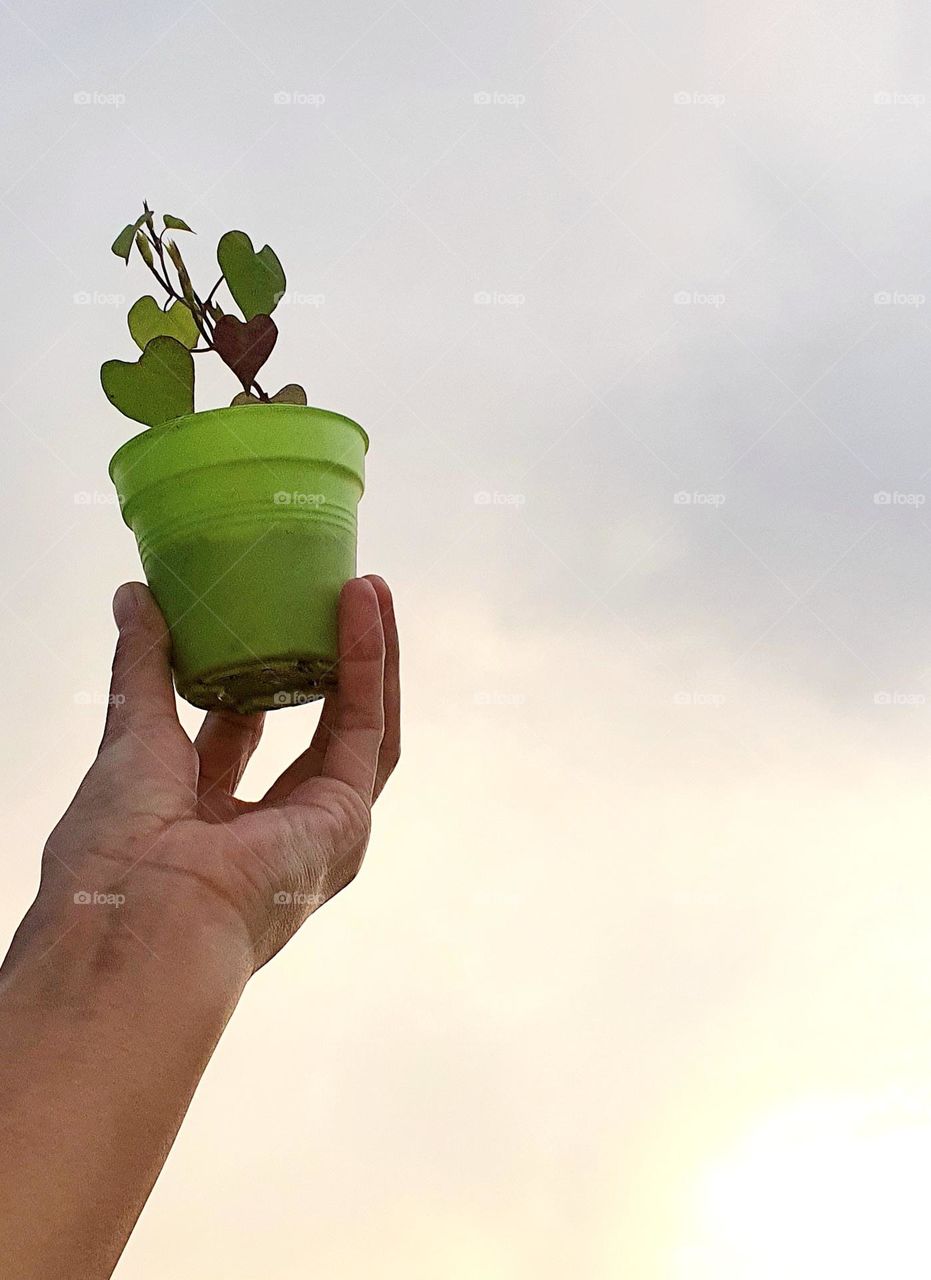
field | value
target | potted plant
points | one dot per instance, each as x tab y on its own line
245	516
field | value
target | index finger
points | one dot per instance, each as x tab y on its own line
359	723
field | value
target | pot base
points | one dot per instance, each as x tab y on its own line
262	686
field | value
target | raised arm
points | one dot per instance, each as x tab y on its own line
161	894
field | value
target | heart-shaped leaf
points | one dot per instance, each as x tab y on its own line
256	280
147	321
176	224
245	346
291	394
155	388
123	244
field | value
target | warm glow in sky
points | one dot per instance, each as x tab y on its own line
847	1178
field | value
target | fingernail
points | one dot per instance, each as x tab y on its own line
126	602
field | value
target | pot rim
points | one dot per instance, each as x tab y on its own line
163	427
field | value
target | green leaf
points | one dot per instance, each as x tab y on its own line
176	224
155	388
256	280
123	244
291	394
147	321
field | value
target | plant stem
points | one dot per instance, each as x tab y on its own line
213	291
205	326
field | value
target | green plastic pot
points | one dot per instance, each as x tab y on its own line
245	519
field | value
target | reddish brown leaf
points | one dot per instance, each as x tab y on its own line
245	345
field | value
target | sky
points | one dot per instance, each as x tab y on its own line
631	300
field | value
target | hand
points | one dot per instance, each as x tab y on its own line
157	824
110	1013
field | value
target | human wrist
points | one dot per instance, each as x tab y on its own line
90	949
108	1017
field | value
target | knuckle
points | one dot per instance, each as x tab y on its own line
332	838
352	827
334	871
348	821
357	817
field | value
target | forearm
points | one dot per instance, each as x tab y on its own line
105	1031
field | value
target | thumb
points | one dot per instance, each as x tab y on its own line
141	690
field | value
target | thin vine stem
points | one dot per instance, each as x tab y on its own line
199	312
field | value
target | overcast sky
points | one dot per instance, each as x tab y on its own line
631	299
